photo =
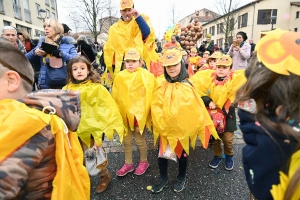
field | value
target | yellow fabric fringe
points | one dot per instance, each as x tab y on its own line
71	180
99	115
133	94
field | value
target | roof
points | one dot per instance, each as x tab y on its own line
242	7
201	18
295	3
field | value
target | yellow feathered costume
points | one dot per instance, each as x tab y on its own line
179	116
71	180
221	92
132	91
99	113
124	35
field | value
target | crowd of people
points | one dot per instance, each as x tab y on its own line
51	91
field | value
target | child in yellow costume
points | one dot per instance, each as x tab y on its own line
132	91
40	158
218	88
99	111
194	59
133	30
178	116
212	61
271	156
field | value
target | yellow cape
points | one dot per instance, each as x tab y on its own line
205	86
278	191
99	113
179	115
124	35
133	94
71	180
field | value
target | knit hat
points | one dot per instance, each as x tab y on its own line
66	28
132	54
126	4
243	34
171	57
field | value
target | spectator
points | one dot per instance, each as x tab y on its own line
67	30
209	45
24	37
85	48
226	47
201	49
252	46
172	43
240	51
54	78
9	33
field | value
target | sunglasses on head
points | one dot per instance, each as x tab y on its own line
19	33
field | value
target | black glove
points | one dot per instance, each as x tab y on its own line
57	53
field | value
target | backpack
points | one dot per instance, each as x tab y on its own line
218	118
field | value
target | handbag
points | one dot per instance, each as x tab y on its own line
56	72
95	160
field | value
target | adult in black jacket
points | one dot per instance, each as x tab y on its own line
209	46
85	48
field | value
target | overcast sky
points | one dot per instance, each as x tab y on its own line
159	11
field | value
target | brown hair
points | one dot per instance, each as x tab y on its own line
12	58
24	33
94	77
58	27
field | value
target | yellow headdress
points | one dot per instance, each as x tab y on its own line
279	51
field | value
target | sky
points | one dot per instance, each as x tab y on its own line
159	11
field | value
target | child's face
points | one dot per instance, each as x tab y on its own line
132	65
222	71
205	56
174	70
80	71
212	62
193	54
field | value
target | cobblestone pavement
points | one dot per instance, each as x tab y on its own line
203	182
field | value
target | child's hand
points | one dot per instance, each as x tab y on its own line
212	105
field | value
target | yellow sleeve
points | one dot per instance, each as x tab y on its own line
202	81
238	80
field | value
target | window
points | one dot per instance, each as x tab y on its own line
1	6
17	9
53	4
6	23
48	13
47	2
222	27
242	20
38	7
264	16
204	33
213	30
220	42
25	28
297	14
218	29
296	29
39	33
231	24
27	11
53	15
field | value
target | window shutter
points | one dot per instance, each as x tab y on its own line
274	13
239	21
246	20
259	17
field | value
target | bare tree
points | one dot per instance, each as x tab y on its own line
174	14
87	14
228	9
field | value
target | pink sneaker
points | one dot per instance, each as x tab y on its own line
141	169
125	169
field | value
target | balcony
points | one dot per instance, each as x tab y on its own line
17	11
27	15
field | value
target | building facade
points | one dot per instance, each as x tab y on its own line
27	14
255	19
205	16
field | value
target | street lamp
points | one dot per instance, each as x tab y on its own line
43	11
272	21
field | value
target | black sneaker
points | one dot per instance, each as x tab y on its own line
159	186
229	163
179	184
215	162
